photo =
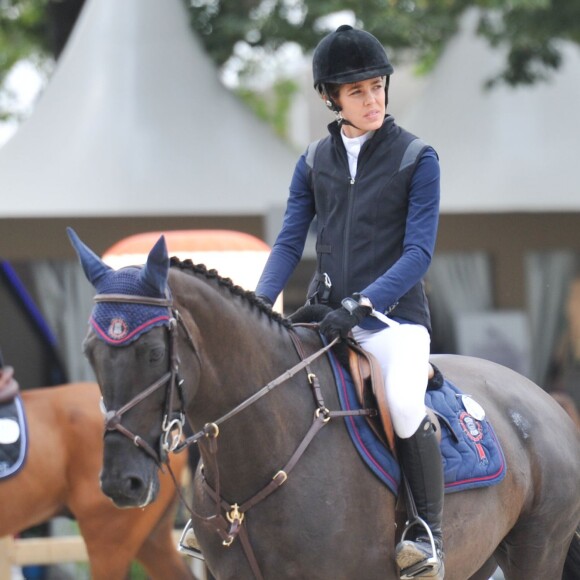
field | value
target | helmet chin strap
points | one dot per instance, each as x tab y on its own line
342	121
336	109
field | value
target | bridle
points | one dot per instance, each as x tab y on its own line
228	519
173	419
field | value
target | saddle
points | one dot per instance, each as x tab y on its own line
13	428
368	382
8	386
366	375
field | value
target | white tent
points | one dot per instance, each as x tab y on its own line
135	122
502	150
133	133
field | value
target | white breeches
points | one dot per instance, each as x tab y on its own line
403	353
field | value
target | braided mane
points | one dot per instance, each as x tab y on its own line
201	270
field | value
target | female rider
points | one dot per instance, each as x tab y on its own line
374	189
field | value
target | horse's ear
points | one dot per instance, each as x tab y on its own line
93	266
156	270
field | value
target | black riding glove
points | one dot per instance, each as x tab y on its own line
339	322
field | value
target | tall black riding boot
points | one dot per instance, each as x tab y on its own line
420	458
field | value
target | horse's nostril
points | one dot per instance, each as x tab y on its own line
135	484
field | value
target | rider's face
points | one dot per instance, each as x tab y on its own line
363	104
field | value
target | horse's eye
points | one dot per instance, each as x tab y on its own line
156	354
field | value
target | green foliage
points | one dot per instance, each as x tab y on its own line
22	32
530	30
23	36
273	108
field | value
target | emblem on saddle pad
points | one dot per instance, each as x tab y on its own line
474	431
471	427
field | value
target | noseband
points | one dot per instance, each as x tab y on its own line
173	421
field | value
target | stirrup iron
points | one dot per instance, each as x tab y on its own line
426	565
185	547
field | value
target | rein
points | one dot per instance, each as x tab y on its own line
228	519
232	525
213	427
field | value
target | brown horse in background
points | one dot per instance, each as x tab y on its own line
61	478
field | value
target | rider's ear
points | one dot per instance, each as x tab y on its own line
156	270
94	268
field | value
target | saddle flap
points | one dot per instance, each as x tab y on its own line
8	386
368	381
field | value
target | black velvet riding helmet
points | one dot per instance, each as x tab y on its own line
348	55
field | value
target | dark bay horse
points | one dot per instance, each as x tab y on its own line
282	492
61	478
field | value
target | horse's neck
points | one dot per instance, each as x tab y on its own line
239	346
256	441
242	350
239	358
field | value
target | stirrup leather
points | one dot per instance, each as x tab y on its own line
426	565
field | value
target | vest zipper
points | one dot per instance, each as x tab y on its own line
346	245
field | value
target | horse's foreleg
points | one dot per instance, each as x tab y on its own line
113	537
159	554
112	563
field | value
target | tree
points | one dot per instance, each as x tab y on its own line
33	30
531	31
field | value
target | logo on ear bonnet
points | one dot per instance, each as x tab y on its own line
118	329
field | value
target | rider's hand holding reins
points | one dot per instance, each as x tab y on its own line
339	322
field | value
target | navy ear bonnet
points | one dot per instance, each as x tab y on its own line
120	323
